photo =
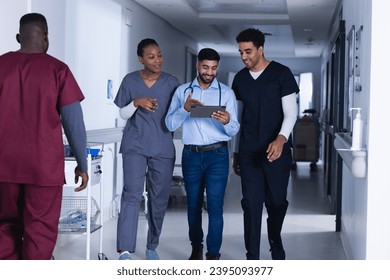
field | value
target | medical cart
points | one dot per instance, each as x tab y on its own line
80	212
306	141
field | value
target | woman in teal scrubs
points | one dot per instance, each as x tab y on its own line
147	148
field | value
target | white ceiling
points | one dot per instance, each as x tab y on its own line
297	28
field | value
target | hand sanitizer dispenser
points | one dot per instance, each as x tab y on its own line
357	131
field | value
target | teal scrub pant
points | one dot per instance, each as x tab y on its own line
157	172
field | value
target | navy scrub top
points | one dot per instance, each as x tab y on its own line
262	115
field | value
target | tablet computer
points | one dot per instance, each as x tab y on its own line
205	111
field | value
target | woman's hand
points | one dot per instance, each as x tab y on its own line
147	103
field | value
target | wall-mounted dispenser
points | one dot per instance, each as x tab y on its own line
354	156
356	160
357	130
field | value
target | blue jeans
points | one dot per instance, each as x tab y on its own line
205	171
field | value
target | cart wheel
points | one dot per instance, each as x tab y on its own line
172	202
102	256
313	166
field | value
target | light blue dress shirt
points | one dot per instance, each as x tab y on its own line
203	131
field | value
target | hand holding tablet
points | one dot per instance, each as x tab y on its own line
205	111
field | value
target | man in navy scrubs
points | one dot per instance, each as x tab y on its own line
266	92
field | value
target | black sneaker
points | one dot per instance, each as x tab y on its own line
212	256
197	253
277	251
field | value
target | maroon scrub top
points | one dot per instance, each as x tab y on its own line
33	87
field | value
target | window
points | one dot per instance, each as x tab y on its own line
306	93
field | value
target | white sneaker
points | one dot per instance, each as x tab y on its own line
152	255
125	255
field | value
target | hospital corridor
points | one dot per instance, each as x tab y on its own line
308	231
335	53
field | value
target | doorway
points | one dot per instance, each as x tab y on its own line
334	121
191	58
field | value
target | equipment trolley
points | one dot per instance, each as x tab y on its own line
80	212
306	141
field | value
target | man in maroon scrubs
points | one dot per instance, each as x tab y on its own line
38	94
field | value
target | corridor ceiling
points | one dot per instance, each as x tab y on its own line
294	28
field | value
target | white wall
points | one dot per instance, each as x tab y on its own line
10	13
365	223
93	36
378	189
354	193
55	16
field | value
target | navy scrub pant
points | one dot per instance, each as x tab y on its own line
263	182
159	181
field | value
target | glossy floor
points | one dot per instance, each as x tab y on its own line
308	231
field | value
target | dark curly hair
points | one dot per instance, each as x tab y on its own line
251	35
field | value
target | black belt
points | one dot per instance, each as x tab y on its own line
206	148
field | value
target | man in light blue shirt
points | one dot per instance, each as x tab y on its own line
205	156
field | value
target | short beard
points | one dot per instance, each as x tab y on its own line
206	82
